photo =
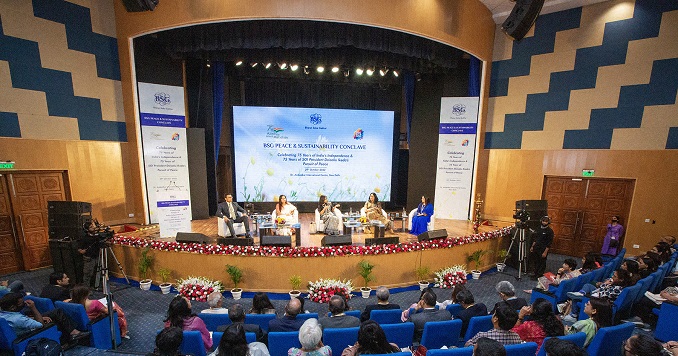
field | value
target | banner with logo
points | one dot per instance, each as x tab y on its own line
163	136
456	156
174	212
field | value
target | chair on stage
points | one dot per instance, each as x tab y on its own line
430	226
223	230
363	214
320	225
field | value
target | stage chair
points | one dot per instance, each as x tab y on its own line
666	323
320	225
476	325
441	333
399	334
390	316
305	316
429	226
462	351
223	230
259	319
526	348
213	321
607	341
454	309
339	338
10	342
100	327
43	305
280	342
362	212
578	338
295	218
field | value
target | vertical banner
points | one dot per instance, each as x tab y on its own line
163	136
456	156
174	212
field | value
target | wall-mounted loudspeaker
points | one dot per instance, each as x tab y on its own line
522	17
140	5
433	234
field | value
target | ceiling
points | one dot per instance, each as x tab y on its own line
502	8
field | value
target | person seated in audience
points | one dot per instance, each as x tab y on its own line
167	342
15	287
507	293
301	301
671	240
95	308
428	312
588	263
310	337
371	340
567	271
504	319
179	314
234	343
261	304
642	309
382	303
339	319
289	321
543	322
642	345
609	289
406	313
11	305
58	287
664	251
237	315
453	296
633	268
646	266
599	311
471	309
558	347
487	347
215	301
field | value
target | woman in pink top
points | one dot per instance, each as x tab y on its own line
180	315
544	323
96	309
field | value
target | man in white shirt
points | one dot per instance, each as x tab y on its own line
215	301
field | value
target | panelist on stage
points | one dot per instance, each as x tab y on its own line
373	211
288	212
422	216
326	211
228	211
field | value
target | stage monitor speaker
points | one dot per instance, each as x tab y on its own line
68	207
433	234
237	241
382	241
275	240
522	17
189	237
140	5
337	240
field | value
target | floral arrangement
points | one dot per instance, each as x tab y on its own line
363	220
322	290
293	252
280	220
198	288
450	276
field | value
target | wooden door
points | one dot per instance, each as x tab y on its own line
564	196
10	251
29	196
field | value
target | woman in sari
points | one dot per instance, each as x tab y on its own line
373	211
331	221
422	216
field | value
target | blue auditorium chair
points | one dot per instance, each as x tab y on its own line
578	338
557	296
305	316
192	344
259	319
43	305
280	342
17	345
340	338
100	328
476	325
441	333
217	335
526	348
454	309
213	321
399	334
666	323
389	316
608	340
355	313
462	351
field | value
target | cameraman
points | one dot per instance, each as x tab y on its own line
539	250
88	247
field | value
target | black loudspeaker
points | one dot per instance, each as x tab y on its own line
248	241
140	5
275	240
433	234
72	232
68	220
189	237
382	241
67	259
337	240
536	209
68	207
522	17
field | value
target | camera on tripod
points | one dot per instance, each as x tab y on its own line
100	232
522	217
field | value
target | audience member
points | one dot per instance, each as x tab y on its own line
58	287
428	312
646	266
558	347
167	342
234	343
215	301
599	311
503	320
261	304
453	296
301	301
642	345
15	287
289	321
487	347
180	315
610	289
338	319
567	271
471	309
382	303
406	313
237	315
543	322
633	268
507	293
588	263
371	340
96	309
310	337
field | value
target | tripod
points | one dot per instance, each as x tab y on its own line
102	265
520	232
102	269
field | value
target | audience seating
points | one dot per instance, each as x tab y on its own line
340	338
476	325
216	338
259	319
462	351
403	353
3	292
43	305
399	334
441	333
390	316
608	341
560	294
584	279
192	344
10	342
454	309
100	328
578	338
213	321
355	313
305	316
666	324
526	348
280	342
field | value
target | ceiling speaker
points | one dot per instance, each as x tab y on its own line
522	17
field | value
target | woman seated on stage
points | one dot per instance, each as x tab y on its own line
286	211
95	308
261	304
422	217
373	211
180	315
326	211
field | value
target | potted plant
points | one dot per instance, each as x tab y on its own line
423	272
145	262
502	254
236	277
164	274
295	281
475	258
365	271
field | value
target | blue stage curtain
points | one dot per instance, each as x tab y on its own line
474	77
217	103
408	78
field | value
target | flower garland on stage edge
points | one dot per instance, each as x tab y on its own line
326	251
198	288
450	276
322	290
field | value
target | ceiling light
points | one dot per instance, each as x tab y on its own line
383	72
294	67
283	66
238	63
369	71
395	73
359	71
335	69
268	65
306	70
254	64
346	73
320	69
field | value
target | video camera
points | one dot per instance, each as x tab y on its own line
522	217
99	231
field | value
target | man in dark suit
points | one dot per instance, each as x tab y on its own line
338	319
289	321
237	315
471	309
57	289
228	210
382	304
507	292
428	312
